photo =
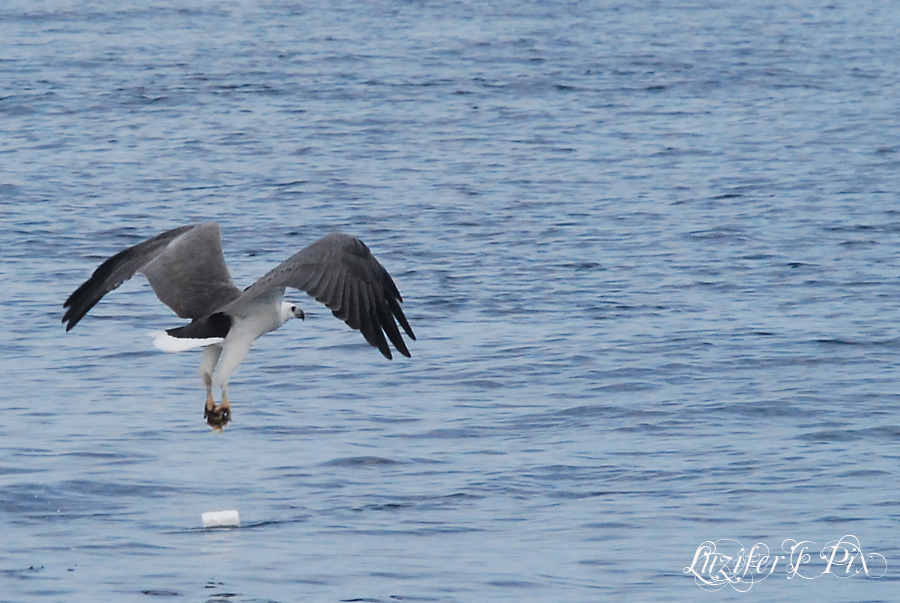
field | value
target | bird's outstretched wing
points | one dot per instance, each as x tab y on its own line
339	271
185	267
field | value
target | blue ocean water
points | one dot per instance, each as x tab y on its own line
650	251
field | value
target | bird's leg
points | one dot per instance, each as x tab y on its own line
231	358
214	415
210	405
225	406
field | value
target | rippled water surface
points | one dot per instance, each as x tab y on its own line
650	251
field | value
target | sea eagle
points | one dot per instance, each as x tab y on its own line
186	268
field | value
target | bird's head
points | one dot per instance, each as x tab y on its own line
289	311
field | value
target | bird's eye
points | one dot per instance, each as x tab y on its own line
293	308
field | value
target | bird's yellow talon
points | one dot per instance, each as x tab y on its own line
217	415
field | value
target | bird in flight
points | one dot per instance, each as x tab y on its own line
186	268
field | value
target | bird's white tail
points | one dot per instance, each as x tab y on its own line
165	342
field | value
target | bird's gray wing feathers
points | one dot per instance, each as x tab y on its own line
339	271
185	267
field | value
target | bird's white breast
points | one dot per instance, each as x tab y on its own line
257	316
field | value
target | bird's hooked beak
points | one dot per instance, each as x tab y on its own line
298	313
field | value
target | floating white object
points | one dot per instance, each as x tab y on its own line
221	519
